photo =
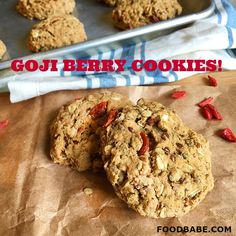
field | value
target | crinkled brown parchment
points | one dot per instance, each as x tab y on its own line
38	197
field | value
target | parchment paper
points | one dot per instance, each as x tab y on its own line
38	197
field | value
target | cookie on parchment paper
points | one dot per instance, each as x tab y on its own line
131	14
75	133
2	49
156	164
56	32
42	9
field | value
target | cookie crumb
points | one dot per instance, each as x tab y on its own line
88	191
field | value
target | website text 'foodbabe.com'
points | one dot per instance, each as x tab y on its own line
225	230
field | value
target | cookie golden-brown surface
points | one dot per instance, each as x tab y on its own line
42	9
156	164
75	133
131	14
56	32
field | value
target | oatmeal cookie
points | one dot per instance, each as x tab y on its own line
42	9
75	133
156	164
56	32
131	14
2	49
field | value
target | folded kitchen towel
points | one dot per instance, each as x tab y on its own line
205	39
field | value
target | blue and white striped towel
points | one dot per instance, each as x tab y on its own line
205	39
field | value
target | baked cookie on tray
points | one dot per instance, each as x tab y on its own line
131	14
56	32
42	9
75	133
156	164
2	49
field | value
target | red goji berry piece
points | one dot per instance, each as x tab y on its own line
213	81
4	124
78	98
228	135
98	110
207	113
178	94
214	112
205	102
80	130
146	144
154	19
110	118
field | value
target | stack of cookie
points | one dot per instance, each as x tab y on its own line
129	14
155	163
58	27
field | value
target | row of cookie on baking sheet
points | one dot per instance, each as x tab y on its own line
127	14
155	163
58	27
64	30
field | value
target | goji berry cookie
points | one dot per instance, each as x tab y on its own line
131	14
42	9
56	32
2	49
156	164
75	133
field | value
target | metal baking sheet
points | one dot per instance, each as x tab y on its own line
96	17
